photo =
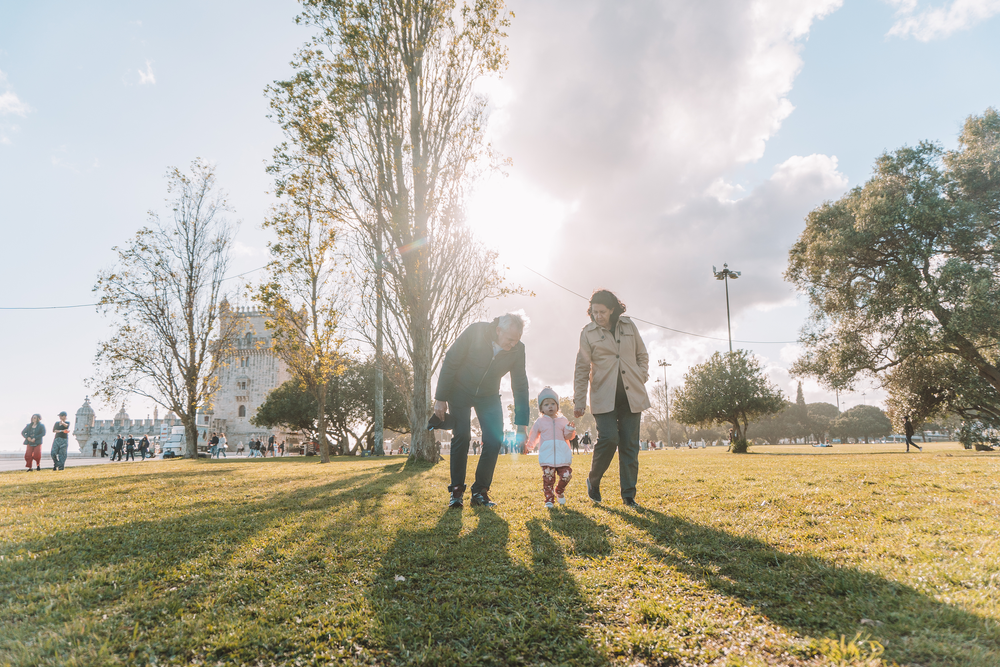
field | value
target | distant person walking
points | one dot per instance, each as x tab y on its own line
908	430
60	443
130	448
213	446
470	378
222	443
143	447
33	434
94	455
118	448
104	448
586	442
614	363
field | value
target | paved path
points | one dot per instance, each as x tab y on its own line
71	462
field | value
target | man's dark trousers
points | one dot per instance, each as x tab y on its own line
617	430
490	414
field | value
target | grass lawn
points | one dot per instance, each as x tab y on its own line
855	555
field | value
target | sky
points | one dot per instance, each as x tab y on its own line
648	142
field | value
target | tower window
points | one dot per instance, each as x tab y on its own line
243	411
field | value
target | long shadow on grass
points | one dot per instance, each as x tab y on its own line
158	577
443	598
815	597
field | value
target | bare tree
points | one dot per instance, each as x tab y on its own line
301	294
383	104
165	295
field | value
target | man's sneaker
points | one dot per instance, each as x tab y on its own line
482	499
549	504
455	499
630	502
593	493
561	499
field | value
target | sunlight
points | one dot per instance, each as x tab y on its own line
516	219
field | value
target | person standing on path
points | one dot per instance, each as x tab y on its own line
33	434
119	448
908	430
143	447
614	363
104	448
130	448
60	443
221	443
470	378
94	445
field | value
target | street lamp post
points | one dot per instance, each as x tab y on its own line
666	397
724	275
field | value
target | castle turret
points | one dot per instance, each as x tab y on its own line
84	422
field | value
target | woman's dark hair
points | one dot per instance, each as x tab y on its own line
607	299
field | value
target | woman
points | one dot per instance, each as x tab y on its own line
614	362
33	434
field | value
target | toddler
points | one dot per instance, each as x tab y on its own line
551	434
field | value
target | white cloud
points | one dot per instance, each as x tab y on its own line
147	76
929	23
11	104
625	123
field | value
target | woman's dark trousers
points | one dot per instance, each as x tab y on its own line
618	430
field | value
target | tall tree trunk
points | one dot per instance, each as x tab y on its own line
379	409
324	442
191	430
423	445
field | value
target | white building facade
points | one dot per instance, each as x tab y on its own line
248	374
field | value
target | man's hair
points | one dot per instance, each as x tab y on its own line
512	322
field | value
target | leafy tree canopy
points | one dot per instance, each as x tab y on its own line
727	389
349	406
903	278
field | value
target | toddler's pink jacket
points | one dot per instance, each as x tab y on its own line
550	435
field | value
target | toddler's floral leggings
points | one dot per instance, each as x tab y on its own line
549	475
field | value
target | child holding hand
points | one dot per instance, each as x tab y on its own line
551	434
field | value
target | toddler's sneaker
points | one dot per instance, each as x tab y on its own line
562	500
549	504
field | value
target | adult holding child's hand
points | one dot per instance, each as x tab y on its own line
614	363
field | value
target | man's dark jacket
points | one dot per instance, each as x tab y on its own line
471	371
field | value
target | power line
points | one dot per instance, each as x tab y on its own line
92	305
661	326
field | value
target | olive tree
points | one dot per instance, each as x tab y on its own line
729	389
903	279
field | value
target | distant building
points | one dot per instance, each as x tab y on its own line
250	372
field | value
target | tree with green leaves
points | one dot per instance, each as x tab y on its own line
350	406
302	293
171	330
862	422
903	279
729	389
383	103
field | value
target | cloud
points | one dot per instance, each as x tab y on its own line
629	119
929	23
10	105
147	76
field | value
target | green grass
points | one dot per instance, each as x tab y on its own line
786	556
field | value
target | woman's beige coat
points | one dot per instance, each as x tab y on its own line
602	357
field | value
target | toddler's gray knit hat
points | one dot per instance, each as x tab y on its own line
548	392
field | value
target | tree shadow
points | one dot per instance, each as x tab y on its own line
444	597
59	584
814	597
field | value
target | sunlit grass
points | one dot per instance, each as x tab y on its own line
855	555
